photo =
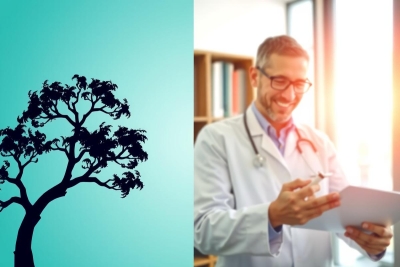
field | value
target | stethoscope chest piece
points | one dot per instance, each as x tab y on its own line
259	161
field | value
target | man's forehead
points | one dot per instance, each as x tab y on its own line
292	67
277	61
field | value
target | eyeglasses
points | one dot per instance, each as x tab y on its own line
282	83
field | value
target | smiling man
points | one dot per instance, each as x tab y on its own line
251	176
274	102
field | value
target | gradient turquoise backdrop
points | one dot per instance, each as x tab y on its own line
145	47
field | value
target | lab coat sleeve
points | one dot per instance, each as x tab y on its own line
338	181
220	229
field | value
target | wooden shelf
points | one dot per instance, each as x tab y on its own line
201	261
200	119
203	61
205	261
218	119
203	115
222	56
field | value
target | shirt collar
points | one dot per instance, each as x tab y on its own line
267	127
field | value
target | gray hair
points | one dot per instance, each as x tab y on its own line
281	45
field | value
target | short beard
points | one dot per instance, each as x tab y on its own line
267	108
271	114
264	103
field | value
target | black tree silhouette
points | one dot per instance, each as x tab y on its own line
93	151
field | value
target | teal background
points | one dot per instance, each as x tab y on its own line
145	47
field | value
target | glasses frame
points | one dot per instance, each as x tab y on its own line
290	82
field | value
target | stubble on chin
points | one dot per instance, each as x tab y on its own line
271	115
274	116
267	106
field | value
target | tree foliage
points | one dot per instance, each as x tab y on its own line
90	150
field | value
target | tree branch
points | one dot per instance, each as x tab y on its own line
30	160
74	104
5	154
54	109
120	155
77	97
73	110
94	102
97	109
80	156
60	149
10	180
44	117
5	204
83	179
46	121
93	167
123	150
106	112
116	161
129	157
22	190
58	115
63	116
17	160
47	118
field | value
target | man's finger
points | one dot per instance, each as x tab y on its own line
316	211
307	191
381	231
298	183
372	251
329	199
310	198
368	240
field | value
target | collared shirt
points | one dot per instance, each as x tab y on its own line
271	132
280	143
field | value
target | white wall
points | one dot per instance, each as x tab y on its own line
237	26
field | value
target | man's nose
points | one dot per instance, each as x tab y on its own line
289	93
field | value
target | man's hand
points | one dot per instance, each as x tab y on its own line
298	207
373	243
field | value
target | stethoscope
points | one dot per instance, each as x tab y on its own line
259	160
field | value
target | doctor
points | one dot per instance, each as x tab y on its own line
244	206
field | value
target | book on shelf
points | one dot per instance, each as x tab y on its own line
228	82
228	89
240	94
217	89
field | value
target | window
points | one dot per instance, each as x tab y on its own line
363	97
362	91
300	23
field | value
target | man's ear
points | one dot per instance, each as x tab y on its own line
253	72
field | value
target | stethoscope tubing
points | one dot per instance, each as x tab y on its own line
259	158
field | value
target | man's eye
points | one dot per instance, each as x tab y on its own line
281	81
300	84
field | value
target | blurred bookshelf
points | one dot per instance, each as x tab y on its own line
222	86
222	89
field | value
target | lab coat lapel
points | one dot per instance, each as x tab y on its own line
291	140
266	143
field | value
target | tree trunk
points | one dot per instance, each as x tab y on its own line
23	256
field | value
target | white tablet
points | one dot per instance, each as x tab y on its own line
358	205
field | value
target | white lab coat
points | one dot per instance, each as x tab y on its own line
232	197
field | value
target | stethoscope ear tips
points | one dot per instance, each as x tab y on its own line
258	161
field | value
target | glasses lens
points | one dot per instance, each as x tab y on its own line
301	86
280	83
